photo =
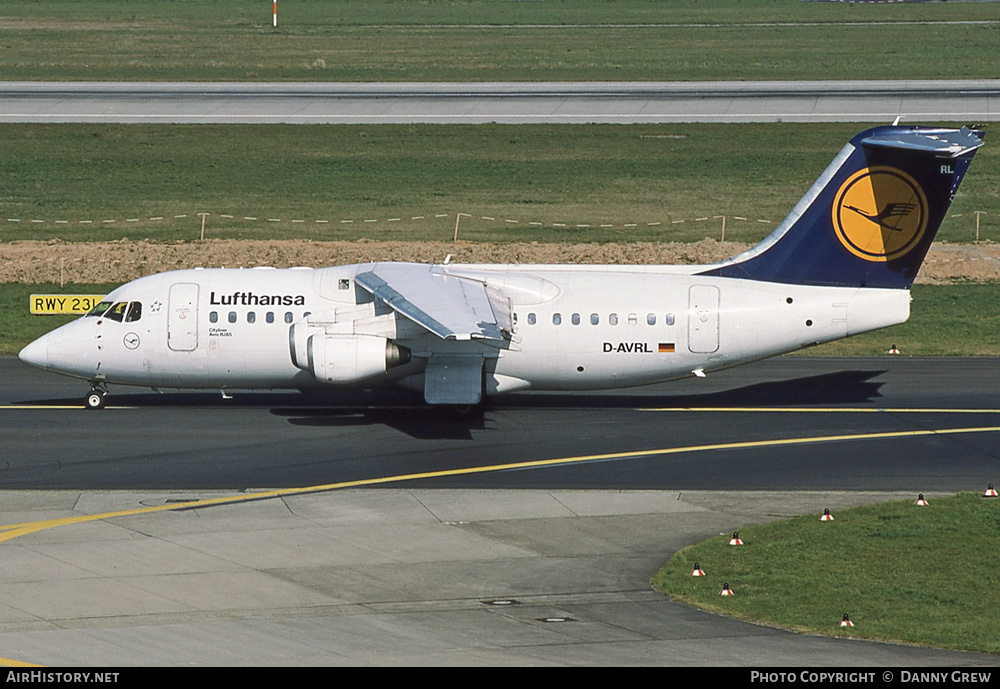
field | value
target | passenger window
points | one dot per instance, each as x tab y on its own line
213	317
670	319
556	319
594	319
269	317
633	319
651	319
288	317
251	317
575	318
117	312
134	312
232	316
531	319
613	319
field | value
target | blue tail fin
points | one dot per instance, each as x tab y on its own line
870	217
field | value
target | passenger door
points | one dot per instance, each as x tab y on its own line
703	319
182	317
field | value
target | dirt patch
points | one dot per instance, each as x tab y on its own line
121	261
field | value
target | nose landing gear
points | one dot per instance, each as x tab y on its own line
96	398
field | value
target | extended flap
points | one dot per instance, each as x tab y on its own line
453	380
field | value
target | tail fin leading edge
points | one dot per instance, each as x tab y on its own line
869	219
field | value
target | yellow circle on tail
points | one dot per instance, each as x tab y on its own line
880	214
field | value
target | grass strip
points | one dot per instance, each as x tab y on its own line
479	40
579	183
921	575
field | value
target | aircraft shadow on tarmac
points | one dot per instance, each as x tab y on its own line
406	412
421	421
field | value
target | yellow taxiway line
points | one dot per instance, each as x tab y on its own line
784	410
78	407
827	410
12	531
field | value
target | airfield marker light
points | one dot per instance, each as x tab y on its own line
735	540
990	492
827	517
726	591
696	572
276	13
846	622
920	500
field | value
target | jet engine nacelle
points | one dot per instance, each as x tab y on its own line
350	358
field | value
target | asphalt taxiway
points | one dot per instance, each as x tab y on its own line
152	533
903	424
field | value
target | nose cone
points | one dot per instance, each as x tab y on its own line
65	350
36	353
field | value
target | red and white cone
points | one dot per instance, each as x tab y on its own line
920	500
726	591
735	540
846	622
697	572
990	492
827	517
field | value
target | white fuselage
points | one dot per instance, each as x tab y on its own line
575	327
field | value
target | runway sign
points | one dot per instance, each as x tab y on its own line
63	304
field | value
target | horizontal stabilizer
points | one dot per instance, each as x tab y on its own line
943	142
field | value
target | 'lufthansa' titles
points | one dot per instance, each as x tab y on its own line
251	299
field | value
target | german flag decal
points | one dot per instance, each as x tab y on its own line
666	348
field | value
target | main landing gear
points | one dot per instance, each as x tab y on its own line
96	398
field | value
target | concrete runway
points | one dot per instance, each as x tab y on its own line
519	566
508	102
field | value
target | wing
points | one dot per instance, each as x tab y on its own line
453	308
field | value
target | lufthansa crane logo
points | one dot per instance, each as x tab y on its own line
880	214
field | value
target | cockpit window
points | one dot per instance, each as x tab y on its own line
117	312
134	312
100	309
127	311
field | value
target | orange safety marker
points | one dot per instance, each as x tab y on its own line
827	517
735	540
920	500
726	591
696	572
846	622
990	492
